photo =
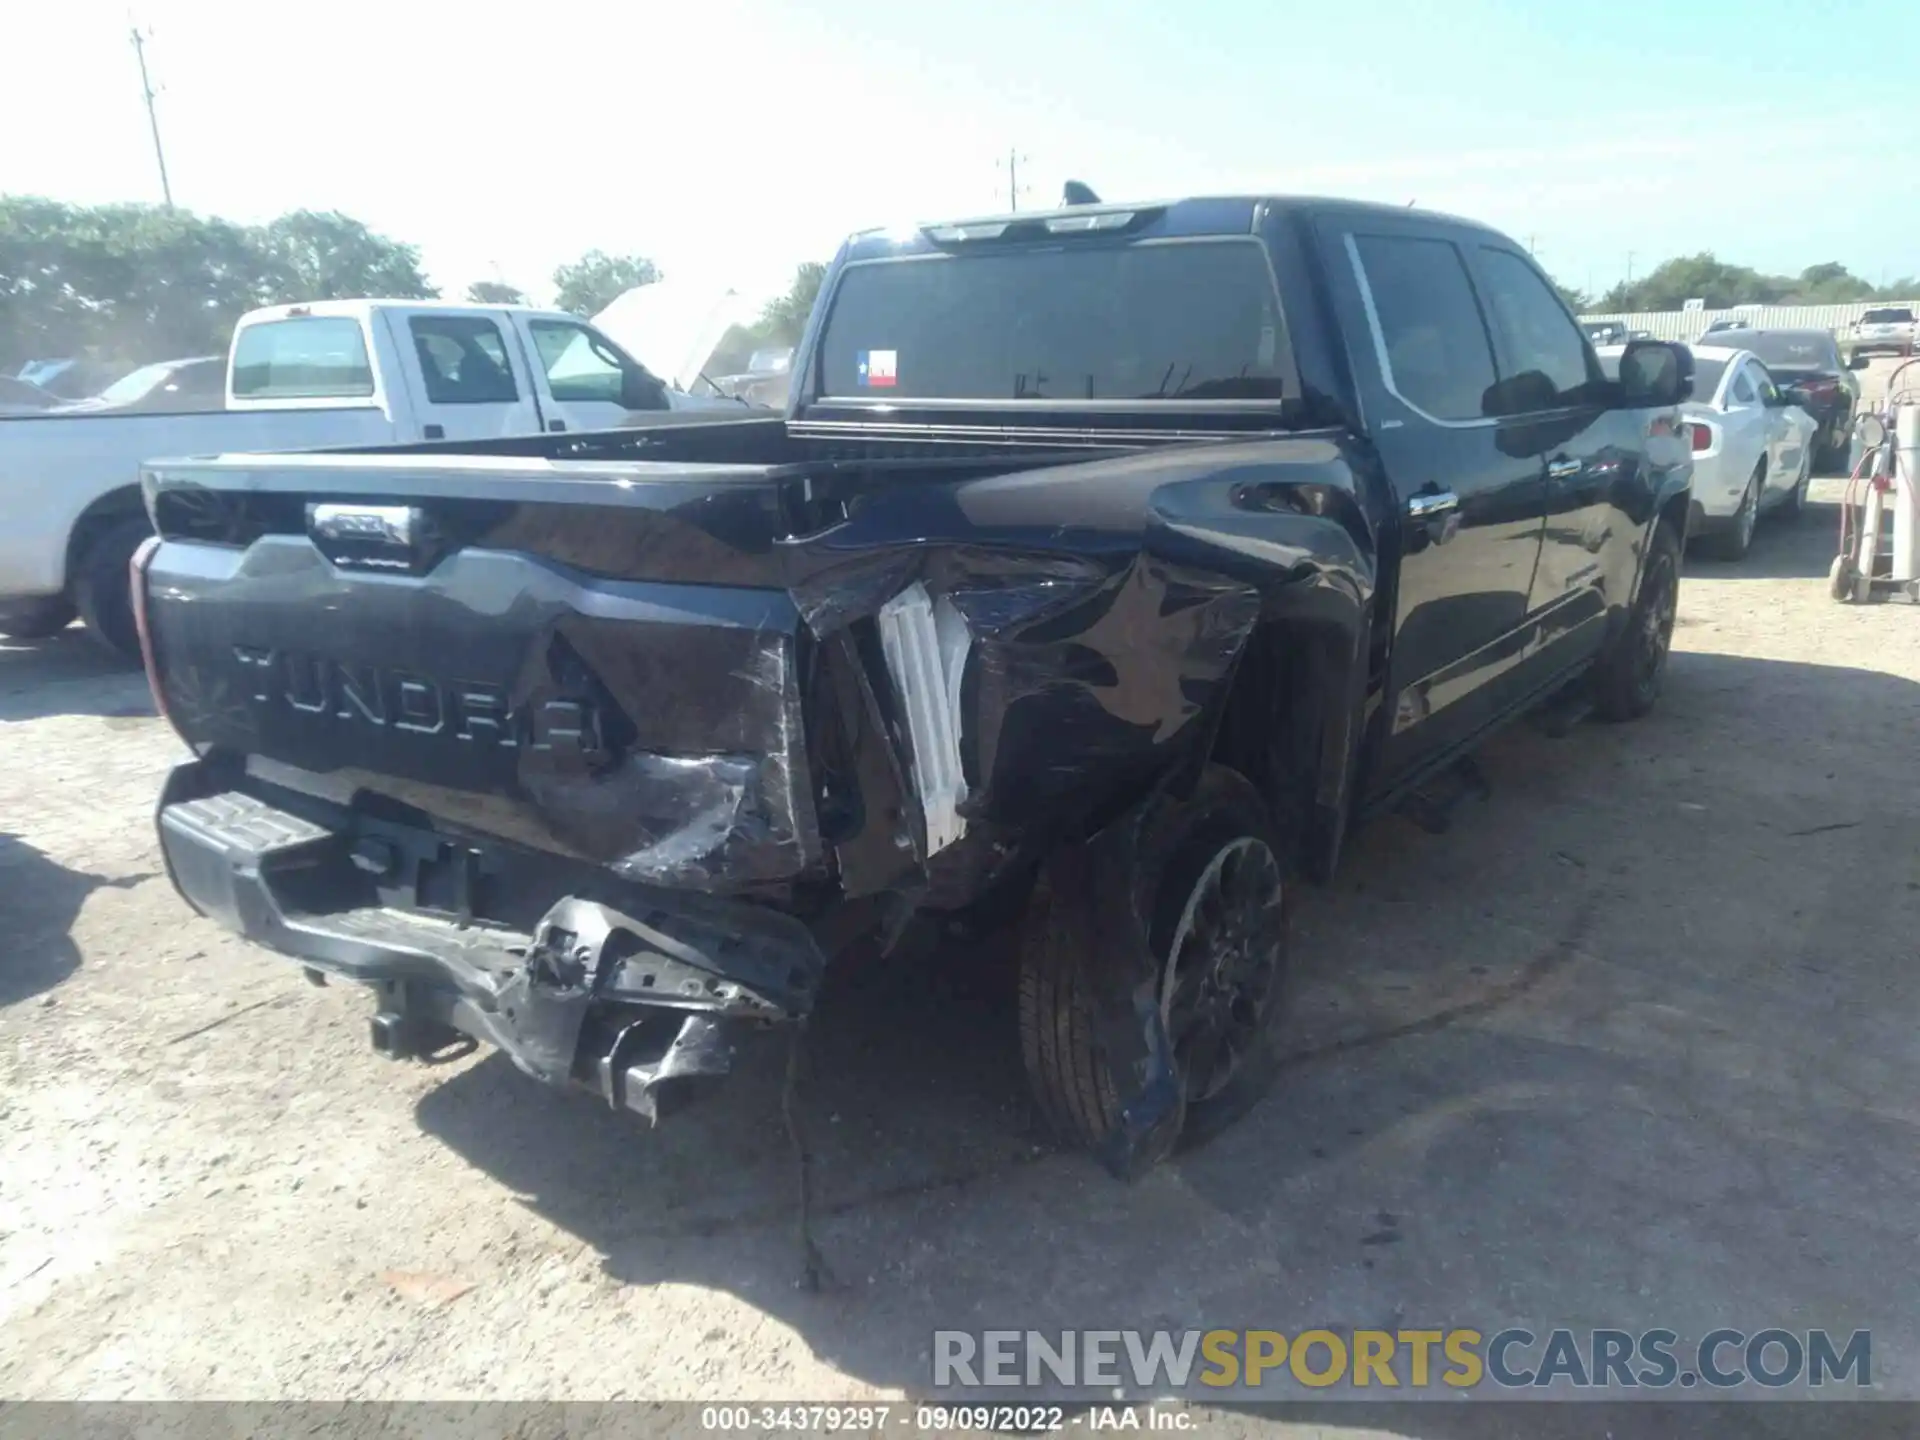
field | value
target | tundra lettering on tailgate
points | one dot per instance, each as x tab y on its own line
416	704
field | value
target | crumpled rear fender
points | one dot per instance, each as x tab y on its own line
1097	656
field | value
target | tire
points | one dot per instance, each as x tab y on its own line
1206	939
1734	542
1833	450
1794	506
38	620
1627	679
102	589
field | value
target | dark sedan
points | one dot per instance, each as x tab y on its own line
1807	364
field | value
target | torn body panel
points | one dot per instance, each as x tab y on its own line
902	688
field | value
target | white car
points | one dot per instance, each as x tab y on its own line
1753	448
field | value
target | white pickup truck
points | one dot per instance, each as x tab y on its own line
307	377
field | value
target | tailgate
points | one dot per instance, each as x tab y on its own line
601	664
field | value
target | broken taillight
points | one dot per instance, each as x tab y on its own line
137	588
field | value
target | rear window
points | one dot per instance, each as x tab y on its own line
1187	320
1706	373
1887	317
463	360
1793	349
314	357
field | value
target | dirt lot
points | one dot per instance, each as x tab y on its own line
1634	1045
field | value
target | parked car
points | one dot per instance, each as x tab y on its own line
1808	366
1606	332
1089	584
1752	447
1891	329
1717	327
71	379
169	385
333	373
23	397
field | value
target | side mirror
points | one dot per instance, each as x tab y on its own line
639	390
1857	361
1655	374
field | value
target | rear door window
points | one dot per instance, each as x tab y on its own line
1436	351
1742	388
306	358
1083	321
463	360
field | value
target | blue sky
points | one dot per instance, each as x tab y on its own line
731	138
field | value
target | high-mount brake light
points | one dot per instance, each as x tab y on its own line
954	234
1080	224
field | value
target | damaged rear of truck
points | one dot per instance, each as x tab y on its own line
1051	603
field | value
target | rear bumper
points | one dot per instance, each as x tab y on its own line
627	992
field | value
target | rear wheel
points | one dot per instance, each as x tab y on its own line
1733	542
1205	879
1795	504
38	619
102	588
1628	677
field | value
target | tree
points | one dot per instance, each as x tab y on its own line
596	279
329	256
123	281
1688	277
784	318
1575	300
134	283
495	292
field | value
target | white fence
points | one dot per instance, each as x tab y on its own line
1688	325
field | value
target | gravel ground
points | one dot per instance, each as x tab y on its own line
1633	1045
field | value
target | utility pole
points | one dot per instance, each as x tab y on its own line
1530	240
153	119
1630	255
1012	162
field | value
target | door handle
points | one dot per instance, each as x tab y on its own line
1563	469
1436	517
556	424
435	432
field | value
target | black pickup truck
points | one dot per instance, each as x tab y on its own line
1108	564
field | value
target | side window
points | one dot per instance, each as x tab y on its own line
309	358
580	365
1742	389
463	360
1538	335
1437	354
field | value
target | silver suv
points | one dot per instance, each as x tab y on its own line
1889	328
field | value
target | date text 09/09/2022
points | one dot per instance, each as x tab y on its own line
940	1419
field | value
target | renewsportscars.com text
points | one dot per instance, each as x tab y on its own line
1403	1360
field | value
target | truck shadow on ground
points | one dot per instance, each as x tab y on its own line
69	674
39	899
1598	1056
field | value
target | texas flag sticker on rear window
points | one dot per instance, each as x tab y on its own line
879	367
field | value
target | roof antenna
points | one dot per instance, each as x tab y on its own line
1078	193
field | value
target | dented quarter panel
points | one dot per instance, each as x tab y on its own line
661	727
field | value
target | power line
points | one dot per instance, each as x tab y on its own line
153	118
